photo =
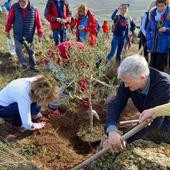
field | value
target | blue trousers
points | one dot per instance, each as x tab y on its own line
19	50
59	36
12	112
159	123
117	44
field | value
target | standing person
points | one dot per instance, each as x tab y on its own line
142	33
158	34
22	99
86	25
120	29
24	17
147	87
106	29
58	14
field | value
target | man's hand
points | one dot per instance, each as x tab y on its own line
38	126
114	142
120	7
7	34
147	116
162	29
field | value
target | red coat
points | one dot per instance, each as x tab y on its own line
105	27
51	13
92	28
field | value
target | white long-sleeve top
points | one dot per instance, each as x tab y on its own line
17	91
142	28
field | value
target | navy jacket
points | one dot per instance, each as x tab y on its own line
159	93
158	42
27	28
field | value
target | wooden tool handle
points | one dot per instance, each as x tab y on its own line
103	151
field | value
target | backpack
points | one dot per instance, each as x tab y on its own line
115	22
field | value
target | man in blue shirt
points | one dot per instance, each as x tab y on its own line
147	88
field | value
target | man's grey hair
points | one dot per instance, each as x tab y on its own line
134	66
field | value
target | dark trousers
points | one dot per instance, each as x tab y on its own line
145	48
117	45
158	60
159	123
12	112
19	50
59	36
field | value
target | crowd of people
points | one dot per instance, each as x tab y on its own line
148	87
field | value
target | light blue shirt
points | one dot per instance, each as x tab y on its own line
82	34
142	28
145	91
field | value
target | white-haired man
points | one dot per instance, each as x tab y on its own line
147	88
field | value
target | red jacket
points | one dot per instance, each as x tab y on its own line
92	28
105	27
11	18
51	14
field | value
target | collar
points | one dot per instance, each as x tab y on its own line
145	91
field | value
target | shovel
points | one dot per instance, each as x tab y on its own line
103	151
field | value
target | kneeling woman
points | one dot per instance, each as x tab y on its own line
21	100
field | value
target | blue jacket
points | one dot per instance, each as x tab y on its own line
159	93
158	42
24	28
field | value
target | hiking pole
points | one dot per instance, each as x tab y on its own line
103	151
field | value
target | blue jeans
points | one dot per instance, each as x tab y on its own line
117	44
20	54
12	111
59	36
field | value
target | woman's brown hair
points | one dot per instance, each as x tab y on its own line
43	90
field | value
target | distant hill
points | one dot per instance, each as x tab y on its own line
103	8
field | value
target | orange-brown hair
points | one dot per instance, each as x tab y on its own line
43	90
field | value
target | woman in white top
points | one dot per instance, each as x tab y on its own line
22	98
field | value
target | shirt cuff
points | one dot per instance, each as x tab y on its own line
111	128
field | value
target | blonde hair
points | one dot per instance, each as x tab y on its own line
83	8
43	90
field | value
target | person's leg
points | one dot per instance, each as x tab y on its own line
156	124
32	60
119	50
20	54
56	36
165	127
145	49
153	59
161	61
12	112
114	46
63	35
